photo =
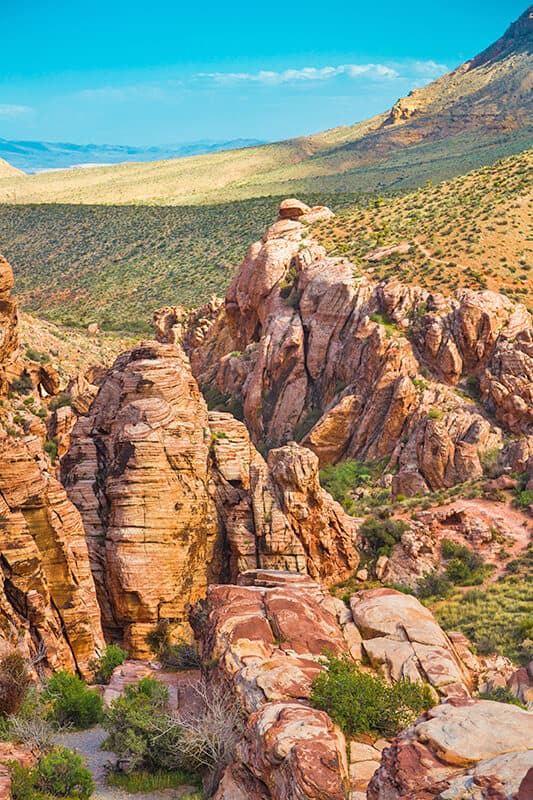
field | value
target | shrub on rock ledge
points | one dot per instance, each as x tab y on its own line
70	702
359	702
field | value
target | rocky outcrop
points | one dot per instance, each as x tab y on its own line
275	515
137	471
476	749
48	607
8	324
267	635
173	498
310	348
402	639
47	595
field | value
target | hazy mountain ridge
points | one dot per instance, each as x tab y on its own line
37	156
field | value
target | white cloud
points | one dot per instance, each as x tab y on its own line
372	71
10	111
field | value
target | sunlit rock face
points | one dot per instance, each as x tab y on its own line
48	606
312	349
174	498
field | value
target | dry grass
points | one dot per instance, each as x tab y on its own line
474	231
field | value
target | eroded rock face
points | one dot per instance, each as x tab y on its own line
402	639
47	596
174	498
311	348
266	636
276	515
48	606
137	471
478	749
8	323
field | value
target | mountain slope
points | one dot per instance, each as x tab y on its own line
6	170
470	117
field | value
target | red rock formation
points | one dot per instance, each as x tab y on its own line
310	348
47	595
476	749
137	471
172	498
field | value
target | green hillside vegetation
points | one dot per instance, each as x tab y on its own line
116	265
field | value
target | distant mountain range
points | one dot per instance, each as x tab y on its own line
33	157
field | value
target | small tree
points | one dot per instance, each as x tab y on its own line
113	656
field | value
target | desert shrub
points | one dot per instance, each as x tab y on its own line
464	567
360	702
523	498
380	535
31	724
113	656
14	683
434	584
181	656
62	773
22	385
63	399
138	730
342	478
70	702
59	773
37	355
501	694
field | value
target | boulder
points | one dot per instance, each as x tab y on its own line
477	748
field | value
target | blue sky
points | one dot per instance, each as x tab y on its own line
161	72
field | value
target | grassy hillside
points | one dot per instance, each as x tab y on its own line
474	231
115	265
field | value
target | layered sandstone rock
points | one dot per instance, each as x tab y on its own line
477	749
47	597
267	636
8	323
275	515
173	498
309	347
402	639
48	604
137	469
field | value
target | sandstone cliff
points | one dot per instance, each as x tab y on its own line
48	604
174	498
311	349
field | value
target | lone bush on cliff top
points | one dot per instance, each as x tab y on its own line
359	702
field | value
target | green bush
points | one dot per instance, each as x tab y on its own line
22	385
342	478
59	773
148	782
501	694
62	399
135	722
434	584
71	703
113	656
14	683
62	773
360	702
380	535
464	567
